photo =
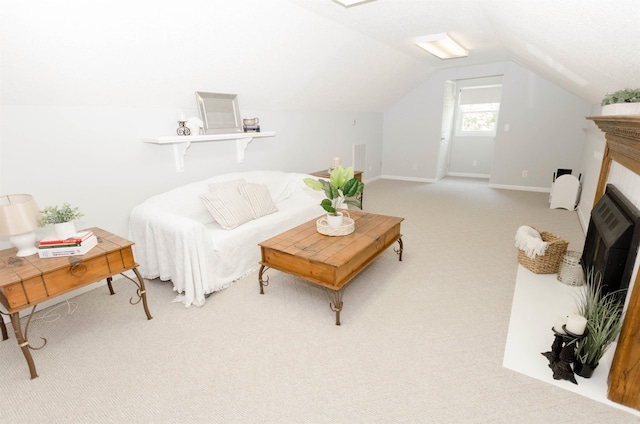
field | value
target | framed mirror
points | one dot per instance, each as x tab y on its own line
220	113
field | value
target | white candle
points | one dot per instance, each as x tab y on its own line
576	324
562	320
335	162
182	117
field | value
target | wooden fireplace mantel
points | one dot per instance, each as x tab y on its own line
622	134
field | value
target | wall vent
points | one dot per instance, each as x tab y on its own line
359	157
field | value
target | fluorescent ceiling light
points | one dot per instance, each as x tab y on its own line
349	3
441	46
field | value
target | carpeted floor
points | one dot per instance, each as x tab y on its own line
421	340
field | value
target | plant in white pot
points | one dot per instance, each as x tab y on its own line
341	188
62	218
622	102
604	322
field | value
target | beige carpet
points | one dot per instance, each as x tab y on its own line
421	340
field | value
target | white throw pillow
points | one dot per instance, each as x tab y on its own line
227	207
259	199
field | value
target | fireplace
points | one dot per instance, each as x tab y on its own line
622	134
611	243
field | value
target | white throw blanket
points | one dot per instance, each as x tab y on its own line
177	239
530	242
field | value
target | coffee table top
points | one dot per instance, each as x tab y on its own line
326	260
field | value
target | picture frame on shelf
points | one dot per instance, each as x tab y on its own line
219	112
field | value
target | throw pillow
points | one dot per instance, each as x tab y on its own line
227	207
259	199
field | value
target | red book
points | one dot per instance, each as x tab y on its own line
55	241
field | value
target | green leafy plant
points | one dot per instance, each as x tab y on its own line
604	319
622	96
57	215
341	188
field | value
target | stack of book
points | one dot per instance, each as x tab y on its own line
251	128
53	247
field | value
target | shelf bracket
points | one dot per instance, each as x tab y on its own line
179	152
241	146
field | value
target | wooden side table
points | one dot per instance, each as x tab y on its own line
25	282
356	174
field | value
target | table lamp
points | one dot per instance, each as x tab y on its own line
18	219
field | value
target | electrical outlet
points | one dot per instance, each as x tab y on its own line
475	163
415	166
525	173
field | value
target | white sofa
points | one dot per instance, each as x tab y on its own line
176	237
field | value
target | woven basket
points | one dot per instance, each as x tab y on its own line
550	261
570	270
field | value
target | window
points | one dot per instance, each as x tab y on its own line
478	108
480	117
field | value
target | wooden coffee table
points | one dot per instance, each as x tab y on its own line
327	261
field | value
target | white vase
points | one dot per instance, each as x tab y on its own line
65	230
334	220
621	109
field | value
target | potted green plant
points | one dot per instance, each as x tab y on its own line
340	188
622	102
604	322
62	218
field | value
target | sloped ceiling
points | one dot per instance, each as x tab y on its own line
588	47
299	54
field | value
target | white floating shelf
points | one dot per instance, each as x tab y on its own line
182	143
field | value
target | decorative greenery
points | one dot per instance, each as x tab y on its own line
57	215
623	96
604	319
340	186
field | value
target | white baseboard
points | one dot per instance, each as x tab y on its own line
370	180
419	180
467	175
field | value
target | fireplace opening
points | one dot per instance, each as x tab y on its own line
611	243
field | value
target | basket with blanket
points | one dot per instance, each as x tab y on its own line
539	251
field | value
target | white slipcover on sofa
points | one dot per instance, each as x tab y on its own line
177	239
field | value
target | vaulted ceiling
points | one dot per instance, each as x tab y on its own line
588	47
299	54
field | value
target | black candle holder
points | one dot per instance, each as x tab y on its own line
182	130
563	354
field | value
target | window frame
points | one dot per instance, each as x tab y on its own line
483	133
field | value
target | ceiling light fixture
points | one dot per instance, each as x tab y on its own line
349	3
441	46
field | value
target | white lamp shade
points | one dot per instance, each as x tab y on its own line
19	214
442	46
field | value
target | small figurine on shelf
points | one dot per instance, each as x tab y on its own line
182	129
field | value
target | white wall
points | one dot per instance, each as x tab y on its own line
83	82
412	126
590	165
471	155
545	128
93	157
